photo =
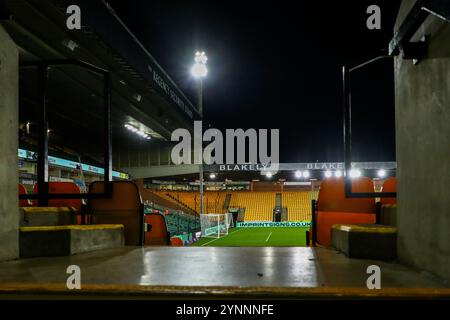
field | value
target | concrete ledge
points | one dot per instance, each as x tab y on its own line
47	216
90	291
365	241
68	240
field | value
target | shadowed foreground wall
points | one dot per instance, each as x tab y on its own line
423	151
9	210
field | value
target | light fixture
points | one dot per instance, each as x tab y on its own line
338	173
212	175
328	174
199	69
269	175
140	133
381	173
305	174
298	174
355	173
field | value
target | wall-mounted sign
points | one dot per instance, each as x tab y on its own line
30	155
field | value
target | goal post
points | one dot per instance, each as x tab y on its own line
215	225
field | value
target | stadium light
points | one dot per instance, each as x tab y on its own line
269	175
212	175
141	133
199	69
298	174
328	174
338	174
381	173
305	174
355	173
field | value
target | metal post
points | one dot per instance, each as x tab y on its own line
42	162
200	108
347	128
108	133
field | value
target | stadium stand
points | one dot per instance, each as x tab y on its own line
156	230
298	204
332	207
258	205
213	200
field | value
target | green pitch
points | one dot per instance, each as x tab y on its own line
258	237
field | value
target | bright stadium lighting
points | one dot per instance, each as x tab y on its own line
212	175
305	174
338	174
199	69
298	174
140	133
328	174
355	173
269	175
381	173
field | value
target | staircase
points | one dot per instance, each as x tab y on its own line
52	231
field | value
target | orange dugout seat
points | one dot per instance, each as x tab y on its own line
64	187
156	233
176	242
124	207
333	207
23	202
389	185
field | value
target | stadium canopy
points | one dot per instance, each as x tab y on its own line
142	93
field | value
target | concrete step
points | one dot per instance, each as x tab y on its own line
373	241
47	216
39	241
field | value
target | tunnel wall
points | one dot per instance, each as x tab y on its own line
423	150
9	111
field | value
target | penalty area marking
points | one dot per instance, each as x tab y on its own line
268	237
221	238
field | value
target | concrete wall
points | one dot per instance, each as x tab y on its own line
9	111
423	151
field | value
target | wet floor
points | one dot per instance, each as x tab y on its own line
215	266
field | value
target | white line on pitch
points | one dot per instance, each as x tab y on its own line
268	237
219	238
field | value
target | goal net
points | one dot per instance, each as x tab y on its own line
215	225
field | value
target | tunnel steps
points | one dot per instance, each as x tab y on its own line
365	241
52	231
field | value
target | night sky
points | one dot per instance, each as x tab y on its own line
278	65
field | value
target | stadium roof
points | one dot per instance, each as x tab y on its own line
142	93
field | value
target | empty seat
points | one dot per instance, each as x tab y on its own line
124	207
333	207
156	233
389	185
23	202
65	188
176	242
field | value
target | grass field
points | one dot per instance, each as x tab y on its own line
258	237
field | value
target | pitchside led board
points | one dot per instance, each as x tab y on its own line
270	224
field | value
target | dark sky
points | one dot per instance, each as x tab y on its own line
278	65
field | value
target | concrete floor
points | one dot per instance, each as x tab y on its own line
214	266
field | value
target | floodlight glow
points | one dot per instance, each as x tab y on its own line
328	174
305	174
269	175
141	133
298	174
381	173
199	69
338	174
212	175
355	173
